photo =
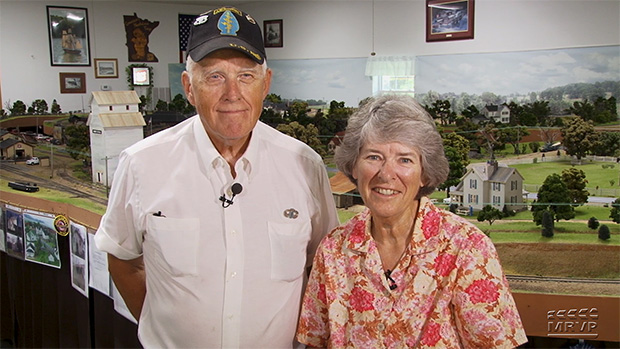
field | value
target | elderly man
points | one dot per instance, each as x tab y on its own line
212	223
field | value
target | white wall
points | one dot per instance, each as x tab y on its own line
312	29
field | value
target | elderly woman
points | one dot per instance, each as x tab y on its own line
404	273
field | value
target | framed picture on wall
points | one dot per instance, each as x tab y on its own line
272	30
140	76
106	68
68	36
72	82
449	20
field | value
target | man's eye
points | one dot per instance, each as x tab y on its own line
247	77
214	78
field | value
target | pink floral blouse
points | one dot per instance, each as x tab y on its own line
450	290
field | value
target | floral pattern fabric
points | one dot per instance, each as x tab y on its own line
450	290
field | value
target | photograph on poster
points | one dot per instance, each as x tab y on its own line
98	275
79	261
14	233
41	238
2	236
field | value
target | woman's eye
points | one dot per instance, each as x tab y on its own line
373	157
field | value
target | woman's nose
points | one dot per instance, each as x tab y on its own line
386	171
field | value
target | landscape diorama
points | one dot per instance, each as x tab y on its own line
550	116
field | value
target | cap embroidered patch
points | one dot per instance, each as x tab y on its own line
228	24
225	28
201	20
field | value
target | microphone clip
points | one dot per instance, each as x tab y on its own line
226	202
236	188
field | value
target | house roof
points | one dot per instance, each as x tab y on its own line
116	97
122	119
341	184
338	138
7	143
502	174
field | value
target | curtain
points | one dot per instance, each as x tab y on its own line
390	66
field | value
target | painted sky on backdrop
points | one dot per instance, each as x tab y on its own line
321	79
516	72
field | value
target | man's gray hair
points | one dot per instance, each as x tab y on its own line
395	118
190	64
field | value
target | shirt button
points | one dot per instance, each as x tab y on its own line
233	232
233	274
381	327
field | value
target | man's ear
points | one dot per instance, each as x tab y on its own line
187	87
268	75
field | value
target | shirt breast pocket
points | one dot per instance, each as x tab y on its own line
289	242
176	240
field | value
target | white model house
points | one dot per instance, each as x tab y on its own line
497	113
490	183
115	123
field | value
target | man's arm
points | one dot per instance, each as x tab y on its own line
130	280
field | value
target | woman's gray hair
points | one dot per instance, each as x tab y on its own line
395	118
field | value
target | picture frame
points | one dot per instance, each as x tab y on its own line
449	20
106	68
273	33
140	76
68	36
72	82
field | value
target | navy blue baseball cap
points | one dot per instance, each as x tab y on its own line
225	27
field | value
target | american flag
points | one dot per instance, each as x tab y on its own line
185	22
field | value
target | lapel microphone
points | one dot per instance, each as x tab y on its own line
236	188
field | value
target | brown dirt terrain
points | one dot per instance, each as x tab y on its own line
562	260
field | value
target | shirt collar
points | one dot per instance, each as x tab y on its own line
211	158
425	232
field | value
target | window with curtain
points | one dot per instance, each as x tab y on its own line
391	74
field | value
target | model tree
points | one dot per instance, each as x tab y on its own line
78	141
19	108
56	108
547	224
489	214
456	149
603	233
615	211
578	137
308	134
575	180
553	196
593	223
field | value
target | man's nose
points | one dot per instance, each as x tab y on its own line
231	91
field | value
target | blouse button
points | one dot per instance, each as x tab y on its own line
381	327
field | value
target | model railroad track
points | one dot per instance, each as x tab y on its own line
530	278
50	184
